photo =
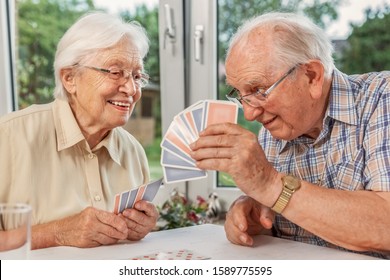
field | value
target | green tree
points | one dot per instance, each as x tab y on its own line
149	20
41	23
368	47
232	13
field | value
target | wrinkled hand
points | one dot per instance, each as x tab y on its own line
90	228
246	218
140	220
232	149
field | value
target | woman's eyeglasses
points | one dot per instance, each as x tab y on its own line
122	76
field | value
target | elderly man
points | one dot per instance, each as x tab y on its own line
319	170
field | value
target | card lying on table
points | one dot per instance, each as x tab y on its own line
185	128
127	199
173	255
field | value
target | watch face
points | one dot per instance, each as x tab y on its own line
291	182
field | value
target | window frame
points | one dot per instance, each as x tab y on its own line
200	79
8	95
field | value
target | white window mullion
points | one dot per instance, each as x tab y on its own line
7	57
172	71
203	84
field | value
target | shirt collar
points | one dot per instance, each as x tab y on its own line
342	103
111	143
341	107
69	133
67	130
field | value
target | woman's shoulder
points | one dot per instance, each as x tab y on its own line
28	115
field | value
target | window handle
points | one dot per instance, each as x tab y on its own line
170	30
198	38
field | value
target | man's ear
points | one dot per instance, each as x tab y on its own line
314	70
68	79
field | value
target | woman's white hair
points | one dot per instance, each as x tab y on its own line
296	39
89	34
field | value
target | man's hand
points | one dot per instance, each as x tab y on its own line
246	218
232	149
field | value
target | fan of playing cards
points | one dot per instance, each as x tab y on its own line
175	153
127	199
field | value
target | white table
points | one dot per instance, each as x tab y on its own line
206	240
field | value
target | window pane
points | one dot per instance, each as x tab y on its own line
228	21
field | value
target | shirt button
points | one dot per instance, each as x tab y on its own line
91	156
97	198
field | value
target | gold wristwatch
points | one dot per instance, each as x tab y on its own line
290	185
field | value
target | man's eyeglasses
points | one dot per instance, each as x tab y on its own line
256	98
140	79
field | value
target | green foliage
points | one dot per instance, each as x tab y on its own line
41	23
369	44
178	212
149	20
232	13
153	153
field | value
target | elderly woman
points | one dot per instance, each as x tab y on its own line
68	159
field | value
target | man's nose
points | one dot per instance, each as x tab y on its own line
252	113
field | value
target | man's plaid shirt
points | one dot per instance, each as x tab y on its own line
352	151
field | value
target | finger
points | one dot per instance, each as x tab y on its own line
211	141
266	217
147	207
235	234
138	230
139	221
206	153
143	218
103	239
112	225
222	128
219	164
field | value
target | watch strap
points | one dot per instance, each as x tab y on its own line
282	201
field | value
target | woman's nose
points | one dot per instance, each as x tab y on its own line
129	87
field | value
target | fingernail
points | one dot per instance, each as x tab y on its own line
243	239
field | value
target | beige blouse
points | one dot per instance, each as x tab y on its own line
46	162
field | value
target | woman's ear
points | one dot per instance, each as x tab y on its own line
314	70
68	79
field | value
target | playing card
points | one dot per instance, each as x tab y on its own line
182	254
172	136
182	124
171	159
127	199
152	189
116	203
167	145
197	116
123	201
131	199
172	175
219	111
